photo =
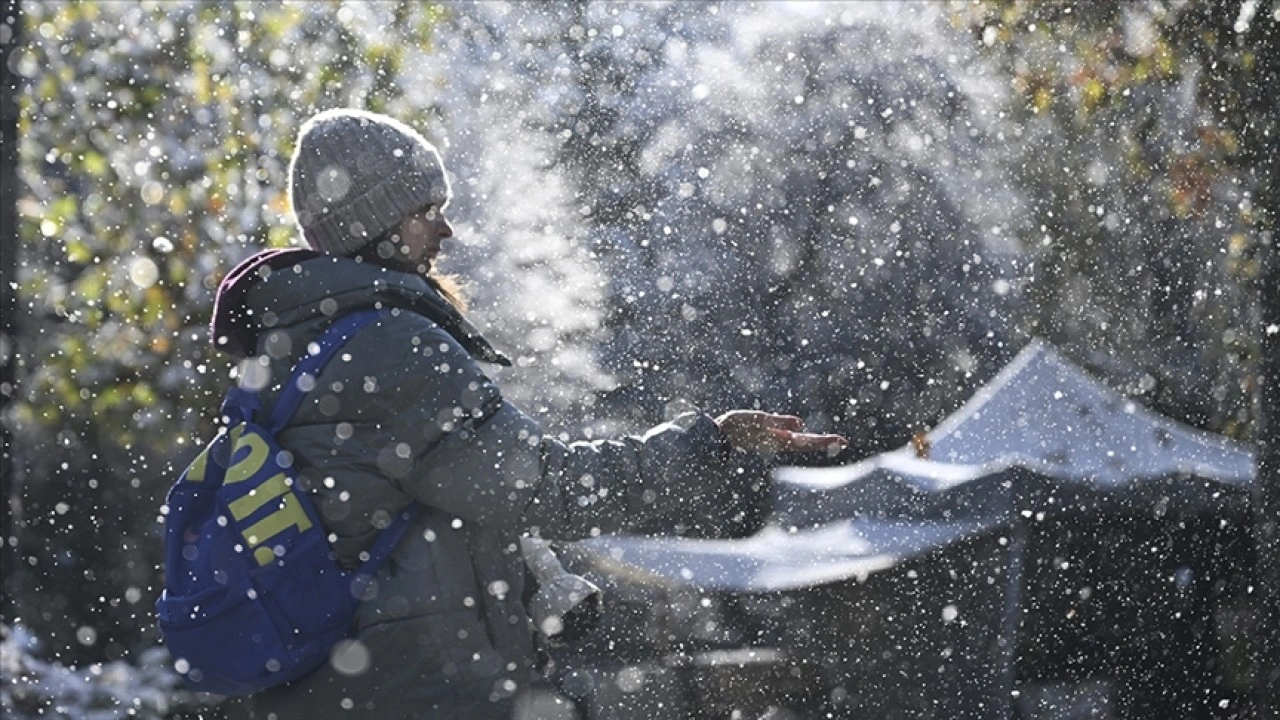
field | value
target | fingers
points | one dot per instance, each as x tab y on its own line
830	443
782	435
789	441
771	432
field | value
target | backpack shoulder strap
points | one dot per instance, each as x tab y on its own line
305	372
389	538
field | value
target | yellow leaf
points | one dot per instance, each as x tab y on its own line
280	236
1043	99
77	251
160	344
1164	59
1094	93
95	163
144	395
278	203
200	80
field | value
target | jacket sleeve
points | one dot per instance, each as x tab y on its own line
477	456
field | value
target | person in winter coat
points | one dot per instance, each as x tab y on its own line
405	414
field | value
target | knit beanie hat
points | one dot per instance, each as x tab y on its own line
355	175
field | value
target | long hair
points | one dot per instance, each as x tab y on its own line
381	251
450	288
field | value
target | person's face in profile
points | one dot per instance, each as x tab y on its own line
421	236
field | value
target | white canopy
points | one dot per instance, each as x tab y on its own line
1045	414
1041	433
1041	428
776	559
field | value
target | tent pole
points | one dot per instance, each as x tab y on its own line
1011	623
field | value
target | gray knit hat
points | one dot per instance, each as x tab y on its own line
355	175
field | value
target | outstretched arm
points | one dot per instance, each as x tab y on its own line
479	457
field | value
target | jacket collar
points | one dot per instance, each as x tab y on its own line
280	288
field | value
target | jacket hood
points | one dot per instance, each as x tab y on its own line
232	329
276	288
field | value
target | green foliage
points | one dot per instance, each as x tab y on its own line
1147	236
153	157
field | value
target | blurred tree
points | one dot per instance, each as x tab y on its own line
830	236
153	157
1174	102
756	247
1143	229
10	39
1130	130
588	80
639	101
1267	492
495	74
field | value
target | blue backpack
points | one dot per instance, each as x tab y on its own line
254	596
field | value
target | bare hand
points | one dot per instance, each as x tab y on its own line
767	432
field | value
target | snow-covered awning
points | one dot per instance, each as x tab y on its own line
1046	414
1041	427
775	559
1041	434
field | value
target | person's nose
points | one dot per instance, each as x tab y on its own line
446	230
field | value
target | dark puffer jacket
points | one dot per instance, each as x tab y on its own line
403	413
